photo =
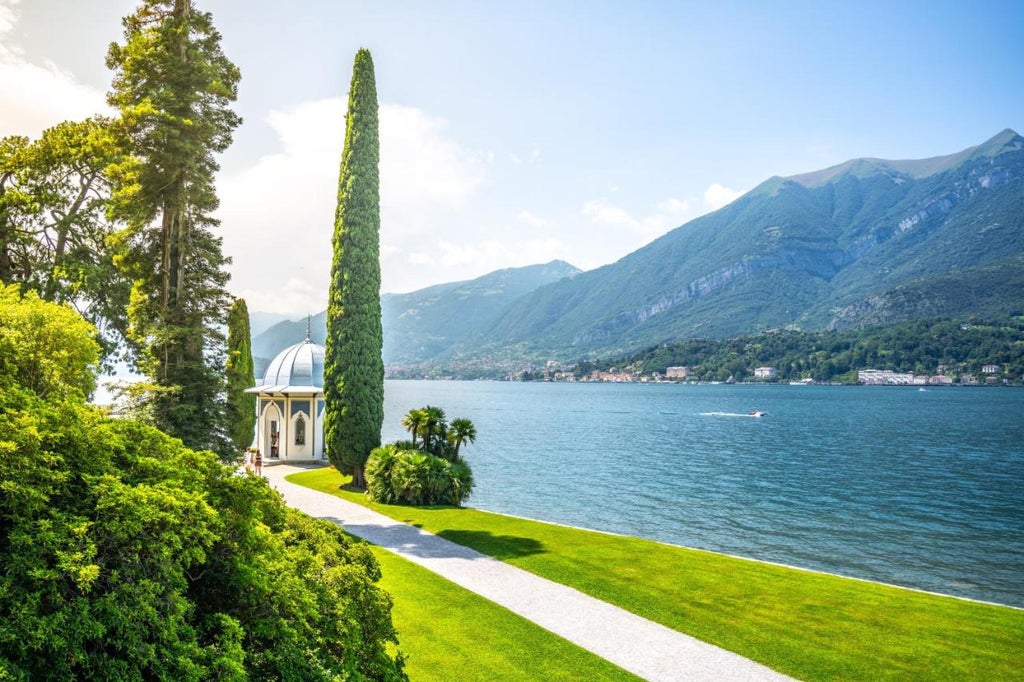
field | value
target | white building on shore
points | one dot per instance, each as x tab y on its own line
884	377
290	405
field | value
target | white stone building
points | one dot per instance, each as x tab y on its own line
290	405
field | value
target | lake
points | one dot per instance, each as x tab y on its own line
917	488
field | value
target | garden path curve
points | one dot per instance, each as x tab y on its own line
641	646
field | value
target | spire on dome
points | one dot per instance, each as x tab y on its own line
309	324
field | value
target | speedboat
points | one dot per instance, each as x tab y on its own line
756	413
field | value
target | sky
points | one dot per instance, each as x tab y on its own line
515	133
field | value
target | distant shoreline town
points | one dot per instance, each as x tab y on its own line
991	375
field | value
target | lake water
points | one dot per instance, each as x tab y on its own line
917	488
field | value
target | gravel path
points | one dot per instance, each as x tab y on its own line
636	644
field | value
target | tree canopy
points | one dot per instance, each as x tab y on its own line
172	86
54	195
129	556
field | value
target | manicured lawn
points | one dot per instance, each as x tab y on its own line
808	625
449	633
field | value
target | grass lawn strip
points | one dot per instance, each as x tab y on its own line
450	633
808	625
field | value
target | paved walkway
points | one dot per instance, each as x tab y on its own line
636	644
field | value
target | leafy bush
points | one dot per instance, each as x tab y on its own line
397	474
126	555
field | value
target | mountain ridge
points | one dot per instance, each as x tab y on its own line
861	242
429	321
793	255
1007	140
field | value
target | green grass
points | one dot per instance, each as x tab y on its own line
447	632
808	625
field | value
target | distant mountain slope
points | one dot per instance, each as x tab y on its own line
844	246
267	344
434	322
426	324
260	322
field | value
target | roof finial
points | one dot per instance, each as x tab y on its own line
309	323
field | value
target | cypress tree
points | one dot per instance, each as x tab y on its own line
172	86
241	406
353	367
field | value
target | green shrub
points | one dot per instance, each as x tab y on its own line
378	474
397	474
125	555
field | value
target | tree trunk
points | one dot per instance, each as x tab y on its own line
358	476
6	235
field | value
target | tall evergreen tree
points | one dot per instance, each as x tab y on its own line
353	367
172	86
241	406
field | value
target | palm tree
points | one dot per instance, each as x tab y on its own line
414	422
461	431
434	425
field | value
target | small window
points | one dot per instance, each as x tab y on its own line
300	430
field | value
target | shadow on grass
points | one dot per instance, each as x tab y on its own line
498	546
463	544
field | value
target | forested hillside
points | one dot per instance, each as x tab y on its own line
923	347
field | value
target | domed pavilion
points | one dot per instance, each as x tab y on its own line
290	405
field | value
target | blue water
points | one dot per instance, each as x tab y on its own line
917	488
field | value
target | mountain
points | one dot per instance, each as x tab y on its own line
431	323
260	322
866	241
434	323
268	343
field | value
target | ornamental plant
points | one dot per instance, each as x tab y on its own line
398	474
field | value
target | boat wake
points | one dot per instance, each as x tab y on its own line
733	414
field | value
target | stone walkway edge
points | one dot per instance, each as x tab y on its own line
643	647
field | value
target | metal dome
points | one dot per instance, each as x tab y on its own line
298	368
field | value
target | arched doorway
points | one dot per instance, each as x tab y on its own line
272	437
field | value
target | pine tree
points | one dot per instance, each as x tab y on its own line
353	368
241	406
172	86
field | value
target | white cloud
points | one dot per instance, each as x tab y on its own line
421	259
716	196
491	254
295	296
420	165
532	219
278	214
668	214
533	158
603	211
34	97
8	17
674	207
